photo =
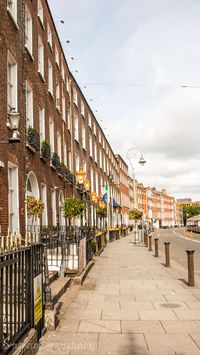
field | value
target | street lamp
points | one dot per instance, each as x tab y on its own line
13	124
131	154
94	199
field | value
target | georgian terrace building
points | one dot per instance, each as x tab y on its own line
58	131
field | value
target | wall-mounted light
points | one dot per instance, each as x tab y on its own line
13	124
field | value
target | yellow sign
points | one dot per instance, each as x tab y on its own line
37	298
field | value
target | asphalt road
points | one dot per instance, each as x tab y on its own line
179	242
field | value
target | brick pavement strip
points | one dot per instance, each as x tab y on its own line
129	304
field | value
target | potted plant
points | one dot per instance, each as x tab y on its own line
135	215
35	208
73	207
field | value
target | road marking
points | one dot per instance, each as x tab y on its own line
192	240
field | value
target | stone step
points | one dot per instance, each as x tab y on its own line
53	275
59	287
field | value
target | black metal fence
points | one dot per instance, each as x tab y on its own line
62	244
18	269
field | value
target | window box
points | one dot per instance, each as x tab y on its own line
63	170
55	161
33	139
70	177
45	151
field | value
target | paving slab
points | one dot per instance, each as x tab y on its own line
165	314
122	314
187	314
62	342
122	343
142	326
99	326
171	342
181	326
170	305
136	305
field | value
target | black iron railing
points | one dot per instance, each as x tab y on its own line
55	161
45	151
33	138
17	272
63	170
62	244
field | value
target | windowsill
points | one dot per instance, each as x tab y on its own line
12	18
50	46
50	93
82	114
41	22
52	167
75	103
29	53
30	148
43	159
58	109
77	141
41	76
57	65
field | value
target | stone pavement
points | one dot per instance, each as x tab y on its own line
129	304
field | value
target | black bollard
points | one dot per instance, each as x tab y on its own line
190	257
150	243
156	247
167	258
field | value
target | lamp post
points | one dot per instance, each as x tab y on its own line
131	154
13	124
94	199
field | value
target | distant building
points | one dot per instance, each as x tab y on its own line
184	200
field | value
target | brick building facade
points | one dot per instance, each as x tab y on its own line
58	130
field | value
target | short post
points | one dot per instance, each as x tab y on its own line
156	247
145	240
167	258
150	243
190	257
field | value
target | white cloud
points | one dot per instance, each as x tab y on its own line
142	47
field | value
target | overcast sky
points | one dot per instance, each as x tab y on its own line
134	58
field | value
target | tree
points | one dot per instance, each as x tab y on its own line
73	207
35	208
190	211
135	214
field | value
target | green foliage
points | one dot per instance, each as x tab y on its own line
135	214
31	132
73	207
101	211
190	211
35	208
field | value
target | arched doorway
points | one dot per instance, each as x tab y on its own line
32	189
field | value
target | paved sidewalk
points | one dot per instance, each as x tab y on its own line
129	304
